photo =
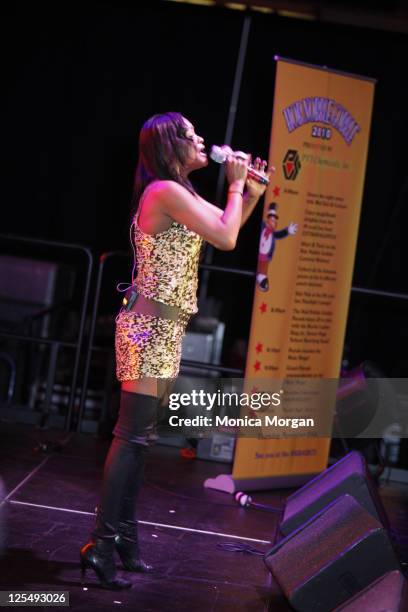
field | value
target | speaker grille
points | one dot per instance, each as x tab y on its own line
387	594
307	551
347	476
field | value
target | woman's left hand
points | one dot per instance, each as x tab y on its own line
255	189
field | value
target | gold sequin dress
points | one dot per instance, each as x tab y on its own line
167	271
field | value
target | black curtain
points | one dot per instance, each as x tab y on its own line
80	79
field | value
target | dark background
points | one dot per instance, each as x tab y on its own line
80	80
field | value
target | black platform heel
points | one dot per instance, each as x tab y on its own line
127	547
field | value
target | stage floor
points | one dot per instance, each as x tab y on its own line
50	512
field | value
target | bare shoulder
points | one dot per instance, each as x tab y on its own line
170	197
158	193
163	202
170	188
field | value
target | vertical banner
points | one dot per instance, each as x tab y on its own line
319	142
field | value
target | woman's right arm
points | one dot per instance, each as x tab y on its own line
219	228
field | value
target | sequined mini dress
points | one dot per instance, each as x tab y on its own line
167	272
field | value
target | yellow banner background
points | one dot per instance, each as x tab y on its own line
298	323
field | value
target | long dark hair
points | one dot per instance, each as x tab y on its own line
163	147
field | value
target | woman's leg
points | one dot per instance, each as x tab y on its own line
146	386
131	404
127	543
134	433
122	476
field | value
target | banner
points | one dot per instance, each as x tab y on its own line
319	142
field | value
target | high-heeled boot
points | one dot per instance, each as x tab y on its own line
123	471
137	423
98	555
127	546
126	539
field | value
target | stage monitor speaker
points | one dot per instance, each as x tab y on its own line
28	287
349	475
387	594
333	556
203	342
197	347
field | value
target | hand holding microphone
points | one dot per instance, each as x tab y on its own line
236	168
221	154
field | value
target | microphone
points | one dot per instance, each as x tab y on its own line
220	154
245	501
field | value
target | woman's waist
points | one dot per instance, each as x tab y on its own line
137	302
182	296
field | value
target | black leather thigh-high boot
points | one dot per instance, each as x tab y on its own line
122	476
137	421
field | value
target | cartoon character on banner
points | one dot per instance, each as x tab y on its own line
269	235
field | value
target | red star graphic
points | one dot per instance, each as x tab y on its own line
259	347
262	307
257	366
276	191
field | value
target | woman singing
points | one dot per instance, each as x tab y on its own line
169	226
